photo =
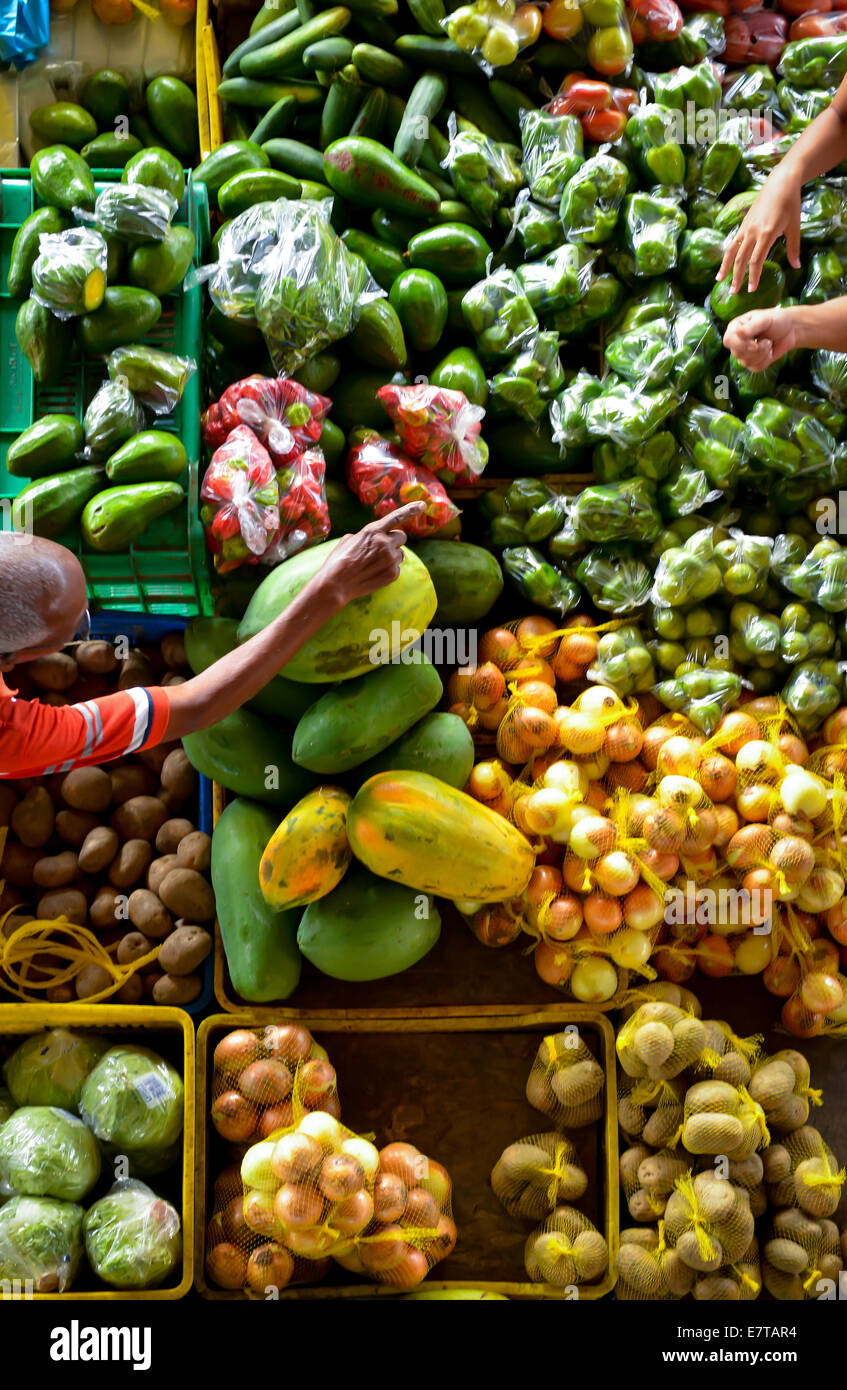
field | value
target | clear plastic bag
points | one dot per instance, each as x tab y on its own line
41	1241
438	428
134	1101
383	479
244	244
69	274
592	199
626	416
653	224
157	379
568	412
615	578
553	151
560	279
47	1152
486	174
240	501
499	314
492	32
533	375
829	373
50	1068
133	1239
134	213
284	415
112	417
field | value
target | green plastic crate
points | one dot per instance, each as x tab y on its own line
166	570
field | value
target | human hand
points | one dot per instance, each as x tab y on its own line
761	337
371	558
775	213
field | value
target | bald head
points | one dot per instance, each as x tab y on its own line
42	598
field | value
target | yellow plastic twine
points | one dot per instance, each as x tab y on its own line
555	1171
685	1186
81	949
753	1114
747	1279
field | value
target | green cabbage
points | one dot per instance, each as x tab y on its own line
7	1104
133	1101
41	1240
132	1237
46	1152
49	1068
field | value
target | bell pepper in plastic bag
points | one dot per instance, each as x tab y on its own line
602	297
568	410
823	211
699	84
438	428
786	440
485	173
537	228
623	661
624	511
382	478
818	62
714	440
652	459
525	510
813	691
695	344
614	577
829	373
651	129
284	415
69	273
592	199
240	501
530	378
642	355
727	304
552	153
826	278
558	280
749	387
808	403
723	156
653	224
754	90
700	254
628	417
538	581
686	490
802	106
499	314
687	574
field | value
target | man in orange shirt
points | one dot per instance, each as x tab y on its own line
43	608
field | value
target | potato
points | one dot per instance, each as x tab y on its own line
8	802
177	774
91	980
159	870
60	994
148	914
132	946
107	909
139	818
55	672
169	835
88	688
172	648
177	989
32	819
96	658
87	789
55	700
149	979
98	850
57	871
17	866
130	863
187	894
75	826
135	670
9	898
63	902
195	851
184	950
129	780
155	758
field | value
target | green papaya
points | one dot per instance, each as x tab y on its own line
208	639
172	109
154	456
250	757
332	444
25	247
440	744
368	928
156	168
117	516
49	445
378	336
320	373
45	341
110	150
126	314
260	944
63	123
48	507
468	580
62	179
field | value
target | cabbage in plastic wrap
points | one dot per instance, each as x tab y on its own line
41	1240
133	1101
47	1152
49	1068
132	1237
7	1104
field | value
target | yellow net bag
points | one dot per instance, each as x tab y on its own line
534	1175
782	1085
661	991
726	1056
659	1041
799	1255
566	1082
708	1222
648	1270
740	1282
566	1251
803	1172
411	1226
652	1111
723	1119
648	1177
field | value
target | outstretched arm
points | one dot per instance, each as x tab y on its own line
764	335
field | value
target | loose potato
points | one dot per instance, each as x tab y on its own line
195	851
129	780
98	850
135	670
17	866
8	802
87	789
169	835
61	994
134	945
149	979
148	914
177	989
155	758
159	870
107	909
57	871
63	902
91	980
139	818
96	658
173	650
9	898
32	819
130	863
55	672
74	827
130	993
177	774
187	894
184	950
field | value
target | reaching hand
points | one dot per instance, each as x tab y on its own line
761	337
372	557
775	213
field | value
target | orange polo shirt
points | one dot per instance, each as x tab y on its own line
37	739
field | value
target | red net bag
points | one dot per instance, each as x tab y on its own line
282	414
383	478
438	428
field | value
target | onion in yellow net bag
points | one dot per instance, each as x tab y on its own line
566	1082
266	1078
567	1250
412	1225
534	1175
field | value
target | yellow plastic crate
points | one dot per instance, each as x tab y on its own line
208	77
19	1020
539	1024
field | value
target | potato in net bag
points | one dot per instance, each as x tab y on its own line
659	1041
660	991
648	1177
739	1282
803	1172
748	1173
566	1082
534	1175
726	1056
567	1250
266	1078
648	1269
723	1119
799	1255
782	1085
652	1111
708	1222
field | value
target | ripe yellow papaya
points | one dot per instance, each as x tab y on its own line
308	853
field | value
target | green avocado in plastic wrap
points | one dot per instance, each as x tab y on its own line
133	1238
50	1068
41	1241
47	1152
133	1101
112	418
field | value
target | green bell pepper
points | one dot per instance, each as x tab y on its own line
653	459
819	62
643	355
700	254
536	229
685	491
698	84
714	440
553	150
592	198
787	440
749	387
820	577
568	410
801	106
727	304
615	579
806	401
623	511
754	90
823	212
653	225
695	344
651	130
602	297
628	417
485	173
538	581
723	156
558	280
530	378
704	209
498	312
